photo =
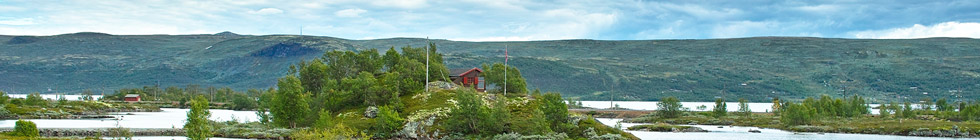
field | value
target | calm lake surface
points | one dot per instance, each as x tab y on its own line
651	105
741	133
54	96
168	118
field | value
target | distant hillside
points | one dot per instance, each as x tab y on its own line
693	70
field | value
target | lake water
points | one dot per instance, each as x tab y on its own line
168	118
54	96
651	105
741	133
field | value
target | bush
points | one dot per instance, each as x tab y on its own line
121	133
721	108
669	107
388	122
340	131
797	114
25	129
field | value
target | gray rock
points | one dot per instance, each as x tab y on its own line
371	112
692	129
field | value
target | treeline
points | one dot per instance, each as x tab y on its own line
323	99
223	97
960	111
811	109
35	106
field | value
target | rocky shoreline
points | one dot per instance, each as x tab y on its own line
86	132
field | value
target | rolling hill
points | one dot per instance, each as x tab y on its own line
694	70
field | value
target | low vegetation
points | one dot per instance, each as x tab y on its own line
34	106
663	127
841	115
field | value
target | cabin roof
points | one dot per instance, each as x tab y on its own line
132	95
461	72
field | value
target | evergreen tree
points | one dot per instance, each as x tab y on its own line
721	108
197	126
670	107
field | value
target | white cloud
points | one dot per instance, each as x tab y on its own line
266	11
355	12
945	29
20	21
11	8
406	4
823	8
572	24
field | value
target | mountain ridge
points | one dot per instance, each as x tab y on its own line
755	68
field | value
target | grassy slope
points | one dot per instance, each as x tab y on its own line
628	70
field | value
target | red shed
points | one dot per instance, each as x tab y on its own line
132	98
468	78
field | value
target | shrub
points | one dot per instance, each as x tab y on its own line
669	107
721	108
388	122
25	129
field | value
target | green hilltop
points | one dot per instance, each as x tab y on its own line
693	70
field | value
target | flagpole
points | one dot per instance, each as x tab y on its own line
505	70
427	43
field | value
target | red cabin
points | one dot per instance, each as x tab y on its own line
468	78
132	98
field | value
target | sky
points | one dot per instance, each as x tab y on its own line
501	20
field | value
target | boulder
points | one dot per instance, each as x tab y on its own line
371	112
